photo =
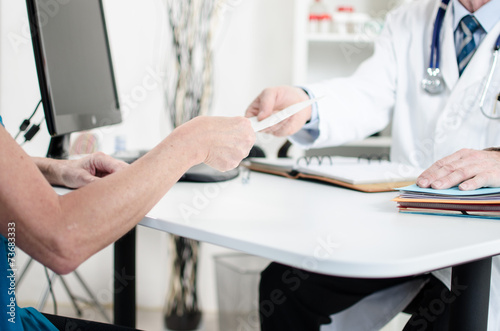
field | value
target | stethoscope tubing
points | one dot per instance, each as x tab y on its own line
488	82
433	70
435	49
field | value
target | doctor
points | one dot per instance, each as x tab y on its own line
440	93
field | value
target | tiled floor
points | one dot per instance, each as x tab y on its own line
152	320
149	320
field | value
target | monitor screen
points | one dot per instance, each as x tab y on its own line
74	65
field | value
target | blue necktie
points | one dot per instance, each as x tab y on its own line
468	25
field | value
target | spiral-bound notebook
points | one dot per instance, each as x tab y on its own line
367	175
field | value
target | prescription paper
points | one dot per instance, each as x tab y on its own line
281	115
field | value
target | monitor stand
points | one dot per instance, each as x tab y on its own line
59	147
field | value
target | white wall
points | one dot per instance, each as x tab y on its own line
19	85
253	51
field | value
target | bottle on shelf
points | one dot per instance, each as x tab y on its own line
347	21
342	20
320	20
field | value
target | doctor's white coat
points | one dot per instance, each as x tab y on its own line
425	127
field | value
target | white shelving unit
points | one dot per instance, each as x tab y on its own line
326	55
339	38
320	56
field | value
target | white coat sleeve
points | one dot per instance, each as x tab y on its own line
357	106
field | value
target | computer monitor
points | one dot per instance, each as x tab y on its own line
74	67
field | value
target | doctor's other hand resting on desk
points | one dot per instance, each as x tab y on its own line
111	197
467	168
435	75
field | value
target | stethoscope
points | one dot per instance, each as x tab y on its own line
433	82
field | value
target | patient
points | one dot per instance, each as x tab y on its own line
111	197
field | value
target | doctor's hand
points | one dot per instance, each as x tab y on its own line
274	99
470	169
80	172
220	142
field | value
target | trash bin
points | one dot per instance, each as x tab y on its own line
238	277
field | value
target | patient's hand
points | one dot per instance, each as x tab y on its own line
78	173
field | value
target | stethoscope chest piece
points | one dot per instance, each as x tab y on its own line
433	81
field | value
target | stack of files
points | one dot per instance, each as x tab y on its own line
483	202
356	173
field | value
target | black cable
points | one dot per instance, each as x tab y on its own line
36	108
32	132
24	125
51	290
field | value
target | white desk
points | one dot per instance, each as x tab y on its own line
335	231
321	228
324	229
